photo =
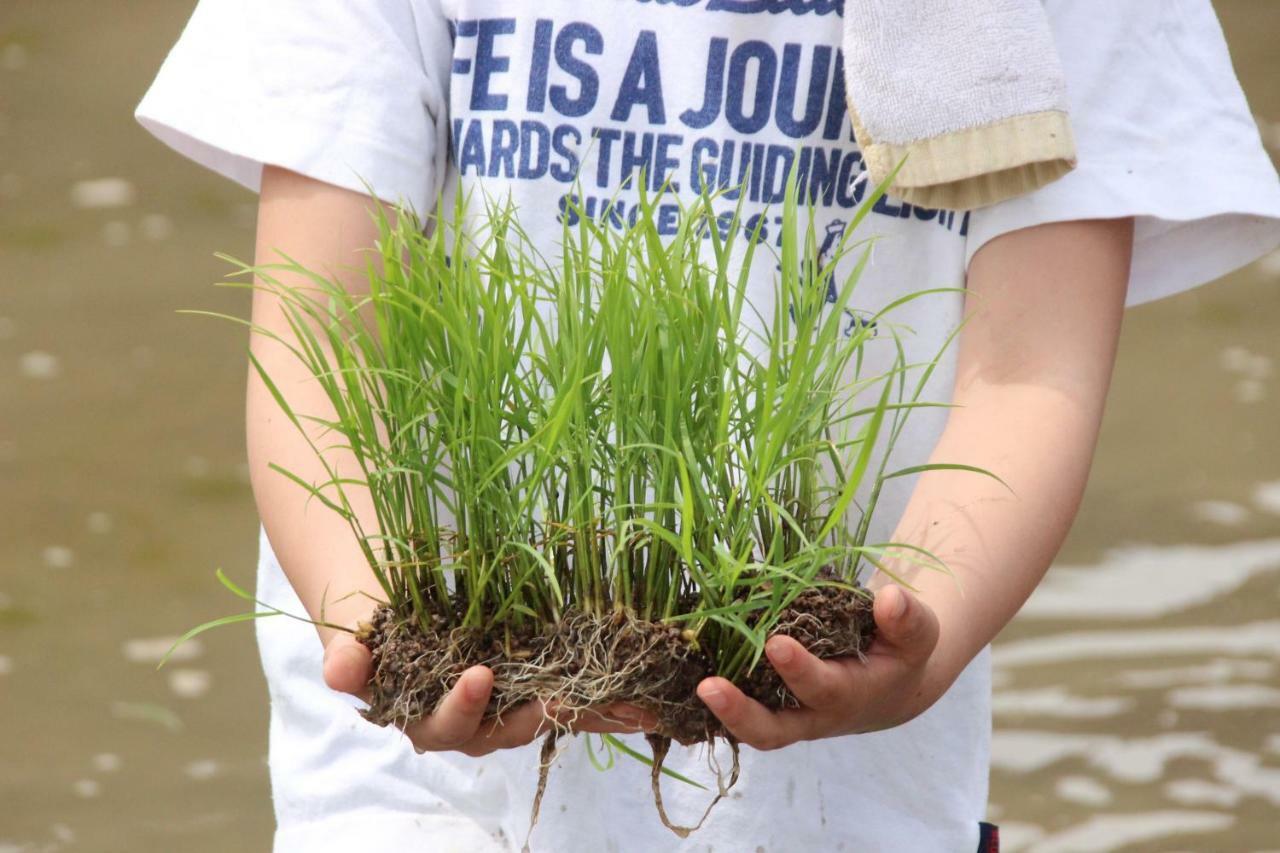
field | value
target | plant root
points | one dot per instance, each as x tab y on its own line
660	746
546	756
585	661
581	663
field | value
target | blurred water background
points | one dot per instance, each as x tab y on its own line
1137	696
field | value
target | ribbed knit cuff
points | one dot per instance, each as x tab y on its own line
976	166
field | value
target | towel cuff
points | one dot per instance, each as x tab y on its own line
975	166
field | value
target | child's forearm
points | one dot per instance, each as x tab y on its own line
1034	370
315	546
996	543
323	228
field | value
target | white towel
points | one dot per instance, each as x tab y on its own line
968	94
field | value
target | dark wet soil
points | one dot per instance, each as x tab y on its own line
587	660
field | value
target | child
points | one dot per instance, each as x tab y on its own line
304	100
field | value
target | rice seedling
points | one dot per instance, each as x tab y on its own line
608	476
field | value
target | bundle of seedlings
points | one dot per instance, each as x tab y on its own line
609	476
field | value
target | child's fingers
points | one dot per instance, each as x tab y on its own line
347	665
748	720
821	685
516	727
458	717
527	722
617	718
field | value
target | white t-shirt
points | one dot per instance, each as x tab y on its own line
419	97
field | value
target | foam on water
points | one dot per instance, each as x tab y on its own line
1252	638
1197	792
1057	702
190	683
1113	831
1136	760
1246	362
1216	671
153	649
1147	581
87	788
1249	391
1266	497
1225	697
102	193
1084	790
58	556
38	364
1226	513
203	770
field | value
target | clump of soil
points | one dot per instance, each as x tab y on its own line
587	660
828	621
580	662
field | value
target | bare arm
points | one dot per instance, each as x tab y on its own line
1033	374
1033	370
326	229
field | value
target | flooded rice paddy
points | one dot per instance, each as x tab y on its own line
1137	696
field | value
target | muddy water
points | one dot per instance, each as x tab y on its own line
1138	696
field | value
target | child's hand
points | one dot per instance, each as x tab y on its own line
459	725
839	696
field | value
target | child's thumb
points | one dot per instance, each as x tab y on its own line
348	665
906	623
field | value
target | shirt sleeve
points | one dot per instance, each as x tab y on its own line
1164	134
350	93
